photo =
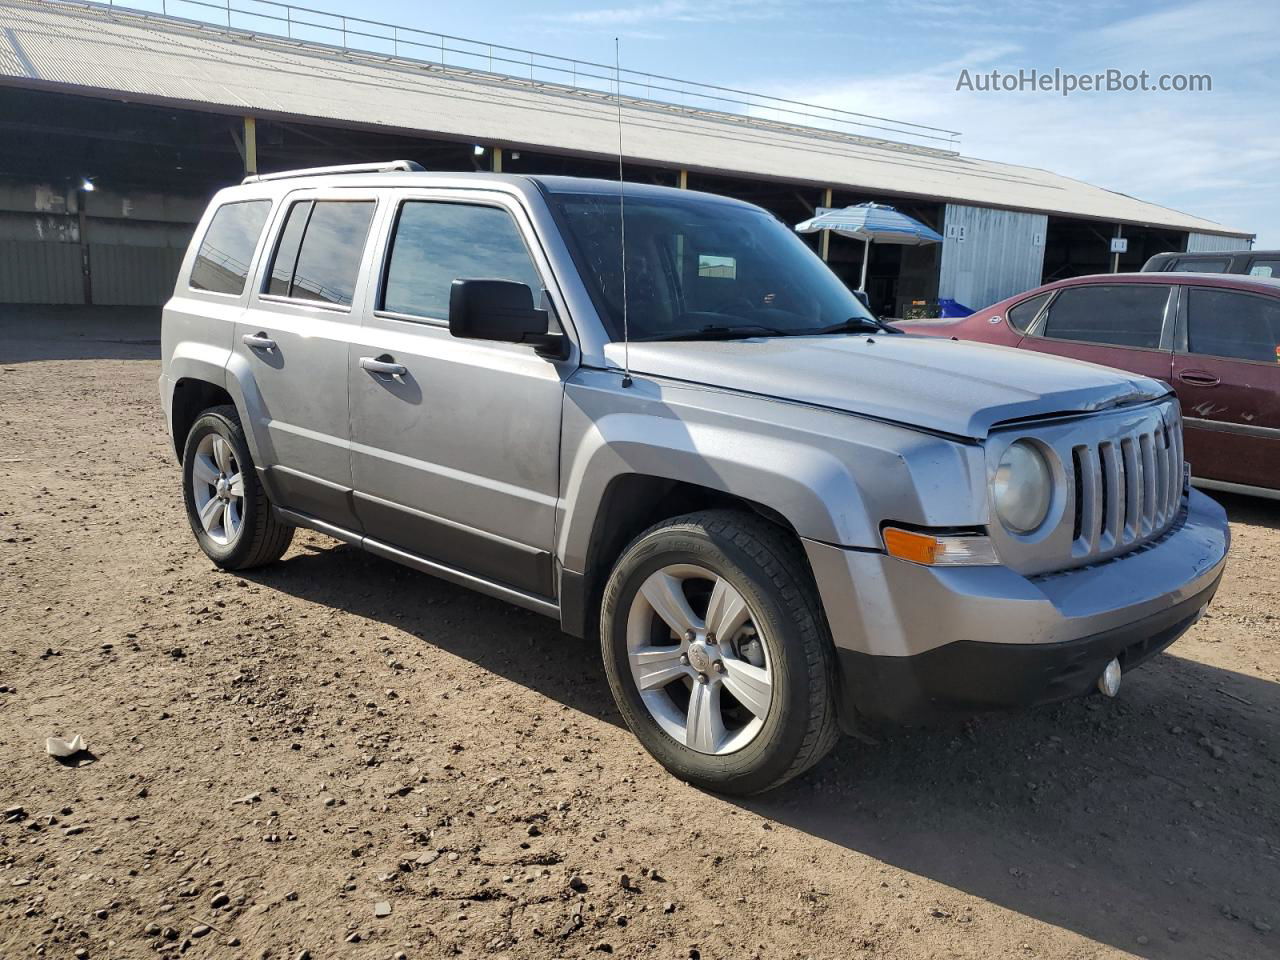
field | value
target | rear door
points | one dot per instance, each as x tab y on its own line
1227	374
1124	325
293	341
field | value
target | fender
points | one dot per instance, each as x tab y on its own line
243	387
832	477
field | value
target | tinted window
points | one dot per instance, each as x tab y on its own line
1222	323
1264	268
286	258
1129	315
437	243
1208	265
222	263
327	261
1020	316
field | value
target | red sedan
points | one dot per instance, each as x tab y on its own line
1214	337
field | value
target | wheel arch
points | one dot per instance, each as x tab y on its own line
191	397
630	504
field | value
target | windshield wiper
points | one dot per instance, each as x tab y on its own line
856	324
717	331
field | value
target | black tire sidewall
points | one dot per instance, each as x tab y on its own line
233	554
770	755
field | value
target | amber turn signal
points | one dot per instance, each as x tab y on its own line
934	550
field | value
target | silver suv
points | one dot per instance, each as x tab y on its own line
777	514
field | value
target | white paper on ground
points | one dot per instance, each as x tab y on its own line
58	747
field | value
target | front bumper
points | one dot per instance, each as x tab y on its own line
915	641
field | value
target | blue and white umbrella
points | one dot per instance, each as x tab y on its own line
871	222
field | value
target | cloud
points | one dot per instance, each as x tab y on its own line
1210	154
671	11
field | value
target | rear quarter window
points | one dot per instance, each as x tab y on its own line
222	262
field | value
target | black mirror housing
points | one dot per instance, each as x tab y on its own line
863	298
500	310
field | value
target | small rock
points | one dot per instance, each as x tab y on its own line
100	914
577	884
353	936
668	907
1262	926
80	953
382	909
248	798
303	955
201	930
221	900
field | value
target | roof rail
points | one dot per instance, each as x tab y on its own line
386	166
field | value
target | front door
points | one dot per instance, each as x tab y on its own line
293	339
1227	374
1124	325
456	443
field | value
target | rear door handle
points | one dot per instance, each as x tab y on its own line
1199	378
384	365
258	341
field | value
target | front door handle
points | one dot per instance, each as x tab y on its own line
258	341
384	365
1199	378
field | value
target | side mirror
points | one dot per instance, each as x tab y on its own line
863	299
500	310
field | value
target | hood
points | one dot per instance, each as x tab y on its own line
955	387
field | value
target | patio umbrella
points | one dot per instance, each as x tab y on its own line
868	222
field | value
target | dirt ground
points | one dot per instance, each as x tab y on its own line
338	757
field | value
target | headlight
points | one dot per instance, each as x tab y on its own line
1023	488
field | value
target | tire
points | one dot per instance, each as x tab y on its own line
767	570
258	537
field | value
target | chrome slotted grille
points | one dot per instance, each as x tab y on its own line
1128	488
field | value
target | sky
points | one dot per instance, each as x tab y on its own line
1215	153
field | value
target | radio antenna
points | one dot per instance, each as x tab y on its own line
622	218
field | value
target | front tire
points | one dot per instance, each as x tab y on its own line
717	651
229	512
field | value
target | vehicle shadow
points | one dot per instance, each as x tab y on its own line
1256	511
1149	822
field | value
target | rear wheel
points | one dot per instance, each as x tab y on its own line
226	505
717	652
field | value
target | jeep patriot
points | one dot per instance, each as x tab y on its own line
776	514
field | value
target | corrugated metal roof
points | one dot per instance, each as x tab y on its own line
96	50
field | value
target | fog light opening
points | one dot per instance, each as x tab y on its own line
1109	682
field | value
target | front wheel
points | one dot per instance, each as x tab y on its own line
717	651
228	509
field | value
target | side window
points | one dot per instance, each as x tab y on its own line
222	262
319	251
1222	323
1021	315
1264	268
1125	315
1202	265
436	243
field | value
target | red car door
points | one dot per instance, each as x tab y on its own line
1125	325
1227	375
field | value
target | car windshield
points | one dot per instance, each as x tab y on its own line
702	269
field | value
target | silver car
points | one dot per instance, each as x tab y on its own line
777	514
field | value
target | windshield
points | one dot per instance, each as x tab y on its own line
698	267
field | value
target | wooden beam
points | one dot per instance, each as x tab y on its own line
825	242
497	159
684	180
250	145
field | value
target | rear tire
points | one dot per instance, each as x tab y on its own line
768	676
227	507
